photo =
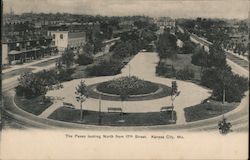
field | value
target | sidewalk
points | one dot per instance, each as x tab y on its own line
15	67
46	113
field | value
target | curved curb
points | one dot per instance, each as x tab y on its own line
60	124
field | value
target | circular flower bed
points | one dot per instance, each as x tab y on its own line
127	85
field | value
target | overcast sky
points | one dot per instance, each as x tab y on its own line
173	8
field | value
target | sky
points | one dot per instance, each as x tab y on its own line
173	8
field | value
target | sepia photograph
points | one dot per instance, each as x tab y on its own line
124	79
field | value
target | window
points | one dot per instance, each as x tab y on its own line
54	36
61	36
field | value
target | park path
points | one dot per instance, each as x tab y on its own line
142	65
47	112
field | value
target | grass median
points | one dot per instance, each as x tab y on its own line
32	105
112	119
208	110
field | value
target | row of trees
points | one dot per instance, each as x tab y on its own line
167	49
166	45
217	75
130	44
220	31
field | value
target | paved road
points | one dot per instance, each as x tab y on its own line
25	65
241	62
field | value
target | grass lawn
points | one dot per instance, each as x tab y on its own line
80	71
182	61
32	105
15	73
207	110
112	119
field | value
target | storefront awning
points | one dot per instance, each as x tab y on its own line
13	52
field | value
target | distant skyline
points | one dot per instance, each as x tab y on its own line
229	9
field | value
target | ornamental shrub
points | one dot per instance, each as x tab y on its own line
105	68
185	74
84	59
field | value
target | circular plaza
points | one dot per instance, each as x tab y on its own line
142	66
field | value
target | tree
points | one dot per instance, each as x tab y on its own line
216	57
188	47
81	95
226	86
30	85
97	40
200	57
88	49
166	45
68	58
84	59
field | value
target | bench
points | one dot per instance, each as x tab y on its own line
68	105
114	110
168	108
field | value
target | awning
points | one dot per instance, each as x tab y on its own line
13	52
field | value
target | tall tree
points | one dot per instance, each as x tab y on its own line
68	58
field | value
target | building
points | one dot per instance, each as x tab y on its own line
23	41
67	39
165	22
23	50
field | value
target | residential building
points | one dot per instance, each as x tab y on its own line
23	41
23	50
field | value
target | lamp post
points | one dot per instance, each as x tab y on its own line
129	69
100	109
174	94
